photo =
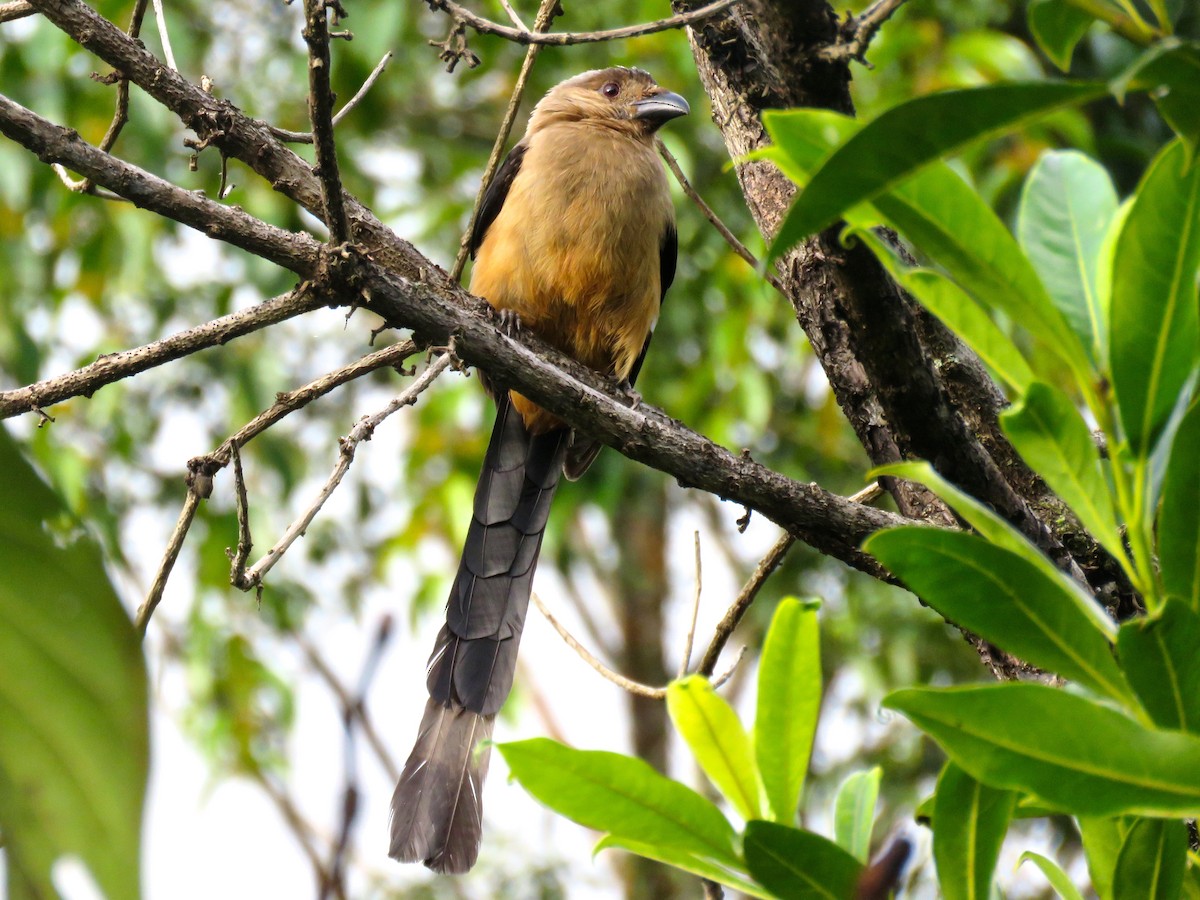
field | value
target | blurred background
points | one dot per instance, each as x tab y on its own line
250	757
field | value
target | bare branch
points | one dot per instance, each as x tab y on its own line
161	18
17	9
563	38
291	401
686	660
545	16
320	112
858	32
730	238
154	597
512	15
305	137
54	144
252	578
115	366
741	603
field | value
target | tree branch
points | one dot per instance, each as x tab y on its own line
17	9
563	38
54	144
320	112
115	366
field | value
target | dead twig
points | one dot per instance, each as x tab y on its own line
479	24
857	32
320	112
244	579
182	525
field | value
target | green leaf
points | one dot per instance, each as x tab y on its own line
1050	434
798	864
789	699
1150	864
1154	329
854	812
958	312
946	219
1066	206
1161	658
74	739
621	795
1054	874
1057	26
1102	839
909	136
1179	520
715	735
969	824
688	862
1072	753
1170	72
1003	598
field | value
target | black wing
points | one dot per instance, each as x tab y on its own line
497	191
668	254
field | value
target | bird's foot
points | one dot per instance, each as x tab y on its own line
509	321
626	386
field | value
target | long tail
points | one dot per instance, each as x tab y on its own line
437	809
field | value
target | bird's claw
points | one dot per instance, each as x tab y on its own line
635	399
509	321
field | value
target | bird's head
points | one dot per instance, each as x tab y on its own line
621	98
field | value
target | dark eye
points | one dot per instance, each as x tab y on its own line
611	89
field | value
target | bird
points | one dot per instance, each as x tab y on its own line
574	241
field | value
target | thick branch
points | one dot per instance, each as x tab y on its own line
54	144
219	123
320	113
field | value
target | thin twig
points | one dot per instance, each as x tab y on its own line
17	9
621	681
562	38
161	18
116	366
362	431
186	515
320	113
858	32
545	15
245	542
305	137
345	700
745	597
512	15
730	238
691	633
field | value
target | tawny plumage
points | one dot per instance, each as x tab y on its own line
576	238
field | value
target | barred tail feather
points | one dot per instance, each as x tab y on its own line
437	809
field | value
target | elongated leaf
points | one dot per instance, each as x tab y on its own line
1161	658
621	795
1150	864
798	864
1070	752
1154	327
789	698
854	813
969	824
947	220
1003	598
909	136
74	742
958	311
1102	839
1050	434
1054	874
999	532
711	729
1057	26
1170	72
1179	521
688	862
1066	206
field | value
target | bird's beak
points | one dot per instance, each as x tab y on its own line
661	108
